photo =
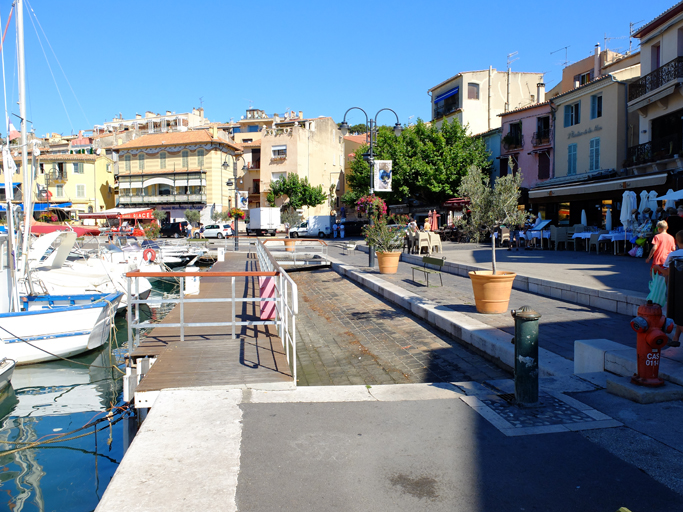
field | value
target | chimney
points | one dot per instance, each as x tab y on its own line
301	114
138	116
596	62
214	131
540	92
201	113
276	118
168	112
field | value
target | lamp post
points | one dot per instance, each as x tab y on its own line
230	183
371	128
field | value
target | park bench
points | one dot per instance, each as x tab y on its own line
428	260
349	246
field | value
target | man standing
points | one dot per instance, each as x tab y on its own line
341	230
334	229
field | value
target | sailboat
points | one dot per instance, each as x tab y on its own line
41	327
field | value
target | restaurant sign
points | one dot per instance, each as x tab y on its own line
573	134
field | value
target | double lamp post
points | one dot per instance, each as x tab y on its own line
371	129
230	183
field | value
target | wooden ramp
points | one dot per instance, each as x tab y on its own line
209	356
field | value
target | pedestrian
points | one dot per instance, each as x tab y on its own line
334	229
341	230
664	270
201	230
427	225
287	229
662	245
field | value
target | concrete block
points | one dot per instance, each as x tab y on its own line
624	308
591	425
583	299
596	378
671	370
544	290
673	353
534	288
556	293
550	364
624	388
569	295
621	362
611	294
589	355
602	303
401	392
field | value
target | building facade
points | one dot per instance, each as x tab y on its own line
476	98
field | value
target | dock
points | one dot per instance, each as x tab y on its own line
208	356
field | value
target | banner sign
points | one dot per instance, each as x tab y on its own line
243	200
383	175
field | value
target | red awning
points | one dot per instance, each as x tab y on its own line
120	213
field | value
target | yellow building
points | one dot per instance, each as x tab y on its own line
177	171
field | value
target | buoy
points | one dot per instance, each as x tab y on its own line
149	255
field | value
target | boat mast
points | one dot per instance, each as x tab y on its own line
28	175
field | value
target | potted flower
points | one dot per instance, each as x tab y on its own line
490	208
236	213
384	234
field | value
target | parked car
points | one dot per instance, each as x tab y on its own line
174	229
216	231
354	227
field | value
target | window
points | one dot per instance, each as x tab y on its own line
200	158
246	141
252	128
542	131
185	155
278	175
257	187
162	160
59	190
596	106
237	129
584	78
543	166
572	114
503	167
78	167
446	102
280	152
594	155
571	159
80	191
141	162
513	139
108	167
127	160
42	168
472	91
654	57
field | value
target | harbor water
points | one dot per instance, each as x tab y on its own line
48	403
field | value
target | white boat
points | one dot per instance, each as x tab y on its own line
56	326
6	371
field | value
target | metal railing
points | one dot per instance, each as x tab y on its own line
312	247
669	72
655	150
513	141
285	297
541	138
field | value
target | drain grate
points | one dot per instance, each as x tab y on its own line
508	397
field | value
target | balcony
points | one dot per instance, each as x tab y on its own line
655	150
669	72
512	142
541	138
254	166
444	111
166	199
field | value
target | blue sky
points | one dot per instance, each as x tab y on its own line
318	57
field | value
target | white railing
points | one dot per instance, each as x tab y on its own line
301	250
285	299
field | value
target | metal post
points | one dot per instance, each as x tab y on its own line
237	220
129	315
371	161
526	355
234	317
182	309
133	303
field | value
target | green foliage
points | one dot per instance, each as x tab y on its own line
382	234
270	199
491	207
152	231
291	216
159	215
428	162
217	216
356	128
298	191
192	216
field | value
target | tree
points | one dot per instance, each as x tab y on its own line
491	207
192	216
298	191
356	128
217	216
159	215
428	162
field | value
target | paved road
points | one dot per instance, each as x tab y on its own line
561	324
347	335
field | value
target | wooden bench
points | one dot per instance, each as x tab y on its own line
349	246
428	260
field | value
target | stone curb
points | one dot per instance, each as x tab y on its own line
608	300
487	339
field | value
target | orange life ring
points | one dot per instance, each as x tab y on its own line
149	255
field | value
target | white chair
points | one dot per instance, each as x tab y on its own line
434	241
504	236
423	241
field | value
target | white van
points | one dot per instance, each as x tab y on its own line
318	226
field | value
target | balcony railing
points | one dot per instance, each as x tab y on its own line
662	75
175	198
511	142
254	166
655	150
444	111
541	138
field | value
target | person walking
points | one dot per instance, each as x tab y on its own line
341	230
663	244
334	229
287	229
201	230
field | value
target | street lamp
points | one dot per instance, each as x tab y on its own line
229	183
371	128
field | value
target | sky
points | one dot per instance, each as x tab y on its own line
106	58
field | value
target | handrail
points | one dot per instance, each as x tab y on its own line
139	273
297	239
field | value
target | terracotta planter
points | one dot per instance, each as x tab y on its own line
492	293
388	262
289	245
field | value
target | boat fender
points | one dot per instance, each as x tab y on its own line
149	255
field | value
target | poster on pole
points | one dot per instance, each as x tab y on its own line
383	175
243	200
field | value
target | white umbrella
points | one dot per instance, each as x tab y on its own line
626	207
670	197
584	221
643	201
608	220
652	201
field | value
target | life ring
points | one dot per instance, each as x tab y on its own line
149	255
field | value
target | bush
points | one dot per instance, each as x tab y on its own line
152	231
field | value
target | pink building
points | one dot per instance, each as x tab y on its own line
527	143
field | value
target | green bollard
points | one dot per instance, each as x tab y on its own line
526	355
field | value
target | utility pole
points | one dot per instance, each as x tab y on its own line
510	61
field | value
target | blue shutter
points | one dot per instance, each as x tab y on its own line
577	113
567	116
594	107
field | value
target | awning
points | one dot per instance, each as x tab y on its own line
279	148
600	186
447	94
39	207
122	213
14	185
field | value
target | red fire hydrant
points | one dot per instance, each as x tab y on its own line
652	329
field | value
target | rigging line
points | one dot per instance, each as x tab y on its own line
6	27
4	86
58	63
51	73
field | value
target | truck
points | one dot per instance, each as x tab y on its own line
318	226
263	221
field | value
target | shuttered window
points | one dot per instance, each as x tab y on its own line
594	156
162	160
141	162
571	159
543	166
596	106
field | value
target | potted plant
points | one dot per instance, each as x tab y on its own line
384	234
491	207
